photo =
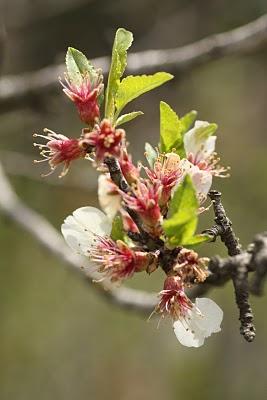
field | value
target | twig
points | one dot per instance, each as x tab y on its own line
117	177
47	236
239	272
18	91
224	225
260	259
116	174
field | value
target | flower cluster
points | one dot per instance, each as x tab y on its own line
150	212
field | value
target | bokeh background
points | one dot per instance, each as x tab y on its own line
58	339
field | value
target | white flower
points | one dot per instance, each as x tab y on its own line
87	232
199	323
201	178
198	143
81	228
109	199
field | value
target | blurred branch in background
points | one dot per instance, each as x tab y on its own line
18	91
23	166
2	43
33	223
255	259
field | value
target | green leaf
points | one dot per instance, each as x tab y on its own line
151	154
187	120
132	87
184	198
117	232
128	117
203	132
198	239
182	232
170	129
182	217
78	66
122	42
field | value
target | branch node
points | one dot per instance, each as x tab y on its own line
239	271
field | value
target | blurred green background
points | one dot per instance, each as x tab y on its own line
58	339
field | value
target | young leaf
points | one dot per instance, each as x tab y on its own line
117	232
184	198
198	239
182	231
151	155
170	129
78	66
187	120
122	42
132	87
128	117
182	219
203	132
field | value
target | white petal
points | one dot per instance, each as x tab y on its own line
93	220
185	336
80	228
75	236
109	202
209	146
201	149
201	179
203	320
213	315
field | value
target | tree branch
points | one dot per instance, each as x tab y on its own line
45	234
254	259
18	91
239	272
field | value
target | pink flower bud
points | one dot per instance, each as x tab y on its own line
129	170
86	97
144	202
105	139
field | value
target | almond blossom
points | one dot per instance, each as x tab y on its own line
202	162
88	231
59	149
192	322
167	172
198	323
104	139
144	200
